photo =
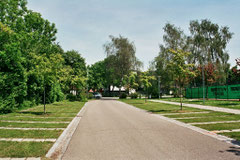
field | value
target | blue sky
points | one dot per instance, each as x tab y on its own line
85	25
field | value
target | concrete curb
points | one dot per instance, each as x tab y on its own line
60	146
194	128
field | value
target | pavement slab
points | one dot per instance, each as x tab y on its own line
112	130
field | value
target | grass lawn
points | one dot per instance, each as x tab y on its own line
24	149
49	119
33	125
198	117
212	119
159	108
67	110
5	133
210	114
216	103
219	126
235	135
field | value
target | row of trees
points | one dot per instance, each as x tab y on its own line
33	67
200	57
120	68
206	44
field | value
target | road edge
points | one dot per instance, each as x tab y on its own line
194	128
60	146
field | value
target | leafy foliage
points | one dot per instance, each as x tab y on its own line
31	62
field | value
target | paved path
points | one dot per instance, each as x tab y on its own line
113	130
212	108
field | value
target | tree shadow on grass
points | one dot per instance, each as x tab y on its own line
228	104
158	111
56	104
35	113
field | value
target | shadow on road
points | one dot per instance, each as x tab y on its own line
234	149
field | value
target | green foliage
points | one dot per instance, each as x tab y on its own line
133	95
30	60
182	70
97	76
123	96
122	58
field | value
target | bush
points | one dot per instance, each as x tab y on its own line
82	97
123	96
134	96
90	96
79	97
71	97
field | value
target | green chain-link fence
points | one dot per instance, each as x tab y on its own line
215	92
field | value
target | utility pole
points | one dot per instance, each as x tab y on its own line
159	87
203	82
87	84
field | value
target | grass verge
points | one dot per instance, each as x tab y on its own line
35	149
212	116
216	103
24	149
5	133
159	108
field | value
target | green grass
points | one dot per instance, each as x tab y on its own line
216	103
35	149
212	116
5	133
159	108
234	135
219	126
33	125
24	149
48	119
212	119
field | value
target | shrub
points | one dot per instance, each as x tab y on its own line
123	96
90	96
71	97
134	96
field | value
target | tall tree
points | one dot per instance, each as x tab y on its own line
173	38
13	76
97	75
78	71
208	44
124	60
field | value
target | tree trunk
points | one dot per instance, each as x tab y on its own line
44	101
181	97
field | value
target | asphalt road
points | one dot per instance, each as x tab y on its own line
112	130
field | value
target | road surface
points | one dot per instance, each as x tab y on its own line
112	130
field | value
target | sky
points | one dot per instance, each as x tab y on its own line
85	25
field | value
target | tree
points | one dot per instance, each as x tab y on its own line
131	81
208	44
122	53
145	80
47	69
97	75
181	69
174	38
13	76
78	71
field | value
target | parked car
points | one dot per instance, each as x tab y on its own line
97	95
